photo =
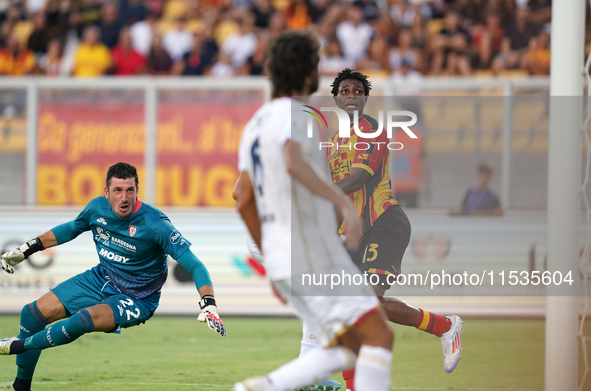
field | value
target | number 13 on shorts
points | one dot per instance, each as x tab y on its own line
371	252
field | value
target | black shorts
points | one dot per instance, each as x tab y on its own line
383	246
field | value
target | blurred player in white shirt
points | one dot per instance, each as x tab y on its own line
280	178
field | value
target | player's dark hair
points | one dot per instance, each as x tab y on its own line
348	73
291	58
122	171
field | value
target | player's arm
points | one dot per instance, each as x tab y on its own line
308	175
202	279
61	234
247	207
353	182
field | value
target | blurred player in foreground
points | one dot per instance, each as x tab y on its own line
280	179
364	175
132	240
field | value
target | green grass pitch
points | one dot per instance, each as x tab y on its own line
178	353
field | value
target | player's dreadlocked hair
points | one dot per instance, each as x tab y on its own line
122	171
291	58
350	74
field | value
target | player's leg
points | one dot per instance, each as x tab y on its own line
310	341
34	318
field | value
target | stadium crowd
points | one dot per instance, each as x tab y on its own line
224	38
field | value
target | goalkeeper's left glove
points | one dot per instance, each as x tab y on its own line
209	314
14	257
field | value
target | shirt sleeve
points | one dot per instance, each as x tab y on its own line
171	240
68	231
371	158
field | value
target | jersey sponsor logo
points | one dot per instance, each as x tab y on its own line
102	220
112	256
132	230
123	244
102	236
175	237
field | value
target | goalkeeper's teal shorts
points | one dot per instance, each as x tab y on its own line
91	288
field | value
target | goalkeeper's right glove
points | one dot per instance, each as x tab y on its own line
14	257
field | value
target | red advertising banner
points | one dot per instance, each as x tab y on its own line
197	150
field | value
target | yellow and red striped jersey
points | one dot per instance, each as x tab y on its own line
372	155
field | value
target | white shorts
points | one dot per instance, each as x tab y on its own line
329	316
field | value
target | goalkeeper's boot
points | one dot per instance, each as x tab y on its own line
253	384
451	343
5	345
327	385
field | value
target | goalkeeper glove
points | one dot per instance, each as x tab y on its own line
14	257
209	314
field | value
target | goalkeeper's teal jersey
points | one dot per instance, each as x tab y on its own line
132	250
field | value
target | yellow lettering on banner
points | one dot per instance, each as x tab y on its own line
190	195
52	133
51	184
86	184
219	184
170	137
219	134
105	138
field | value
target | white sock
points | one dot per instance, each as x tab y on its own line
372	370
309	339
316	365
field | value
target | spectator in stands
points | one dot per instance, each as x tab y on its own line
404	13
39	38
159	62
199	60
370	8
518	33
58	14
142	33
540	11
354	35
89	14
375	63
255	65
537	58
405	52
92	58
110	24
450	47
178	40
276	24
126	61
262	11
298	14
480	200
5	33
487	40
407	73
51	63
16	60
223	68
242	44
133	11
420	35
332	62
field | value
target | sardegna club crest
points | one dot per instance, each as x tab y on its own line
132	230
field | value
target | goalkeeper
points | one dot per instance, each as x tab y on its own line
132	240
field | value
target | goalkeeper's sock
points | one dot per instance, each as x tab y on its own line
62	332
349	377
32	322
433	323
22	384
372	371
318	364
